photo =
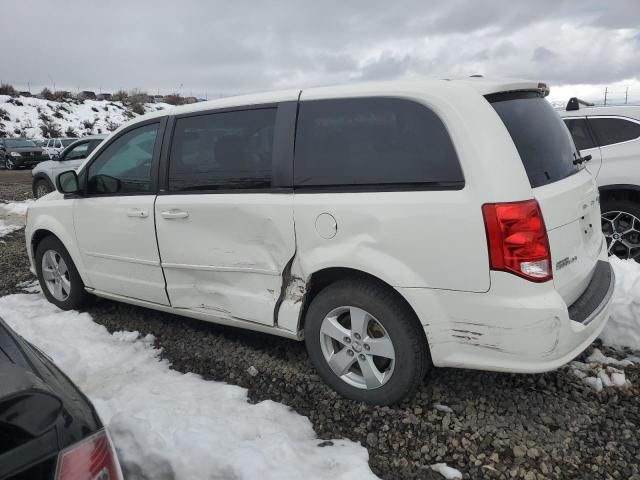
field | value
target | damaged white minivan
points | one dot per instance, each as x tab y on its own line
392	226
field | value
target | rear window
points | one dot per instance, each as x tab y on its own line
614	130
544	144
355	142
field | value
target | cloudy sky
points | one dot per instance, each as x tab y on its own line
218	48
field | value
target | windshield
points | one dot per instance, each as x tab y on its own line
543	142
67	141
19	142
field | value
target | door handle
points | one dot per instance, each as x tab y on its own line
137	213
174	213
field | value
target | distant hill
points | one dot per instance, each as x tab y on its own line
37	118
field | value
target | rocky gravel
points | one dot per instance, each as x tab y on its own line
487	425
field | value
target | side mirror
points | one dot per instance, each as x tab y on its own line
67	183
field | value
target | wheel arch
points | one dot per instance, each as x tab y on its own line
322	278
620	192
41	233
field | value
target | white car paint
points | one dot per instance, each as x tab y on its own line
225	256
615	164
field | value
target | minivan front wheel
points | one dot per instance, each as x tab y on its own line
58	276
621	228
365	342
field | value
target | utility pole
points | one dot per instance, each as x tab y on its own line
626	95
605	95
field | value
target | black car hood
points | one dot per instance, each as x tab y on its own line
39	406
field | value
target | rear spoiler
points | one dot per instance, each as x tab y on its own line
575	102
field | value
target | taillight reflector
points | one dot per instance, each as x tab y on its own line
517	239
91	459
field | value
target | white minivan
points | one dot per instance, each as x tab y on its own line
392	226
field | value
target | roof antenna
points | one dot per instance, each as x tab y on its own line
574	104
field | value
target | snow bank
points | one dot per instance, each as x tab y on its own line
12	216
16	208
7	228
623	328
169	425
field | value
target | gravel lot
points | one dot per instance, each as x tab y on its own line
500	425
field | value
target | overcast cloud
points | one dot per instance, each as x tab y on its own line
220	48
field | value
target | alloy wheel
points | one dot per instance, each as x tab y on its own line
56	275
9	164
41	190
357	347
622	232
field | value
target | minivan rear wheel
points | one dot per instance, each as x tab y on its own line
365	342
621	228
58	276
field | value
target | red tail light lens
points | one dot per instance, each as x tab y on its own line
91	459
517	239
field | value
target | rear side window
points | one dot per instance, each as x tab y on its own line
373	141
545	146
614	130
227	150
580	132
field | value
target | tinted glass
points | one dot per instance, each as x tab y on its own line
68	141
543	142
614	130
77	152
124	167
19	143
373	141
228	150
580	132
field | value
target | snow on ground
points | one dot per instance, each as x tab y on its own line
447	471
166	424
623	328
25	115
12	216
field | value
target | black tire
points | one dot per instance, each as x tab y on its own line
78	296
41	183
412	359
629	210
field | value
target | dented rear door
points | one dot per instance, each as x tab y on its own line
225	220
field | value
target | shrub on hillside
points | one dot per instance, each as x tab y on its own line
174	99
6	89
70	132
50	129
120	96
47	94
4	115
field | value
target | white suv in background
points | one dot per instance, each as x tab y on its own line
414	224
54	146
611	136
45	173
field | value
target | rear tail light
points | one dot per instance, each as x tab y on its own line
517	239
91	459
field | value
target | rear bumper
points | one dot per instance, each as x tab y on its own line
526	328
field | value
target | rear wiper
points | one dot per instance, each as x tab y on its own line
580	160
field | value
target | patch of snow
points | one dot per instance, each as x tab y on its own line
16	208
446	471
623	328
29	286
7	228
594	383
166	424
442	408
598	357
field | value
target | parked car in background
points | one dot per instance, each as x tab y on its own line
45	173
54	146
610	135
20	153
422	223
48	427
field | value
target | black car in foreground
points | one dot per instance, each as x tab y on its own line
48	428
20	153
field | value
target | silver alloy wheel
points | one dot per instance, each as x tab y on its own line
41	189
357	347
56	275
9	164
622	232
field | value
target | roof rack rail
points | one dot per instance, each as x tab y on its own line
574	104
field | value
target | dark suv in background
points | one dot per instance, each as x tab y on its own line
20	153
